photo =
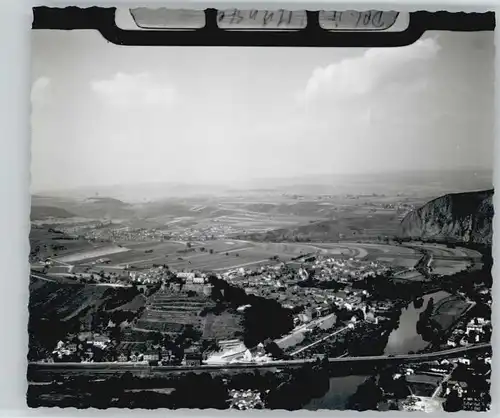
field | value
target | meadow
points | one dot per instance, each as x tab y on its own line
224	254
448	310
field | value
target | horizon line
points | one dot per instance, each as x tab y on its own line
245	183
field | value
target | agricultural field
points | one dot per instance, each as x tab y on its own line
218	255
440	250
258	222
411	276
448	268
249	229
447	311
101	251
46	243
223	326
170	312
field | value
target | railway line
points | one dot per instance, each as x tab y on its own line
142	368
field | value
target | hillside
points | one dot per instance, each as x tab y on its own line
43	207
56	309
462	217
46	212
344	227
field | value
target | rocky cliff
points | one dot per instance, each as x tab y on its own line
459	217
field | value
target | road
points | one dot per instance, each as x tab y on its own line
251	263
45	279
282	342
318	341
52	279
65	280
438	390
370	361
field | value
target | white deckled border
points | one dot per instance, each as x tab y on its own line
15	22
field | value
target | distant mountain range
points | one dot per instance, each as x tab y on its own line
424	183
45	212
94	208
461	217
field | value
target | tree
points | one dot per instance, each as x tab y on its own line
367	396
116	333
453	402
156	338
401	389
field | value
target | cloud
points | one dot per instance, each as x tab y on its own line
39	90
376	68
132	90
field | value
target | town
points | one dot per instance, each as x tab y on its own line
333	308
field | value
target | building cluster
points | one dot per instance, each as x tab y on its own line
214	231
157	275
235	351
186	281
279	282
87	347
462	386
476	330
125	234
470	389
80	229
345	270
245	399
149	276
162	356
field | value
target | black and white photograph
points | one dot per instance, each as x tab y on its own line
261	227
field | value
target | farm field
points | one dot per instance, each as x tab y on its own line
49	244
91	254
171	312
224	254
258	222
440	250
410	275
230	254
223	326
447	268
448	310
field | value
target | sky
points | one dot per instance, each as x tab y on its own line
104	114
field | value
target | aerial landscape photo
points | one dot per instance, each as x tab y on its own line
261	228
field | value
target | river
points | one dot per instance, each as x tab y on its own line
405	338
341	389
401	341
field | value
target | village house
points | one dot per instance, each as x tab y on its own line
459	387
122	358
192	357
151	355
166	356
473	403
72	347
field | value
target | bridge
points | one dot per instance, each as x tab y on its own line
39	368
